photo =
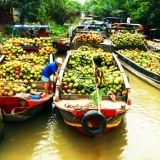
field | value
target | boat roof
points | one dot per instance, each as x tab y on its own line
30	26
113	18
132	24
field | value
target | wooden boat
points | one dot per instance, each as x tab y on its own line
61	45
77	111
145	74
21	107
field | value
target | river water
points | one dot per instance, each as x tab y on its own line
47	137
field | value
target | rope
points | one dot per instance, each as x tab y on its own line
148	48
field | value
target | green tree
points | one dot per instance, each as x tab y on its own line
44	10
5	5
63	10
104	8
27	9
146	12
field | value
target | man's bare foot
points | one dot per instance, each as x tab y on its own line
45	95
51	92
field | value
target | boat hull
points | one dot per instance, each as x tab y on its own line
73	117
113	122
17	109
113	112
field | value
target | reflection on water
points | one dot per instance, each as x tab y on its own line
47	137
61	142
143	122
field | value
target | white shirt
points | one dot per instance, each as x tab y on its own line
128	20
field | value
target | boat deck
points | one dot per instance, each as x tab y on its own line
85	103
25	96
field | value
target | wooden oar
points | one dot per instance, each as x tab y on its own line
96	89
98	101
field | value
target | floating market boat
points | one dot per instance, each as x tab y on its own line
143	64
21	107
73	96
61	45
18	102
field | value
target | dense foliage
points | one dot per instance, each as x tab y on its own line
44	10
145	12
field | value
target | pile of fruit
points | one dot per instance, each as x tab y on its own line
20	71
32	57
14	45
20	65
23	67
10	89
128	39
145	59
88	37
42	41
78	76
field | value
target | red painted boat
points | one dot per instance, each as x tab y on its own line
61	45
20	107
77	111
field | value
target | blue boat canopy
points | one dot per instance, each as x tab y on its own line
28	26
41	27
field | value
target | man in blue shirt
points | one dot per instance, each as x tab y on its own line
50	69
107	23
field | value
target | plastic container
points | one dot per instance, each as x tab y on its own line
34	97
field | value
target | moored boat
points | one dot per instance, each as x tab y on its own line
61	45
75	105
20	79
143	64
21	107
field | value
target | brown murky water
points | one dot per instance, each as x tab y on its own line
47	137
